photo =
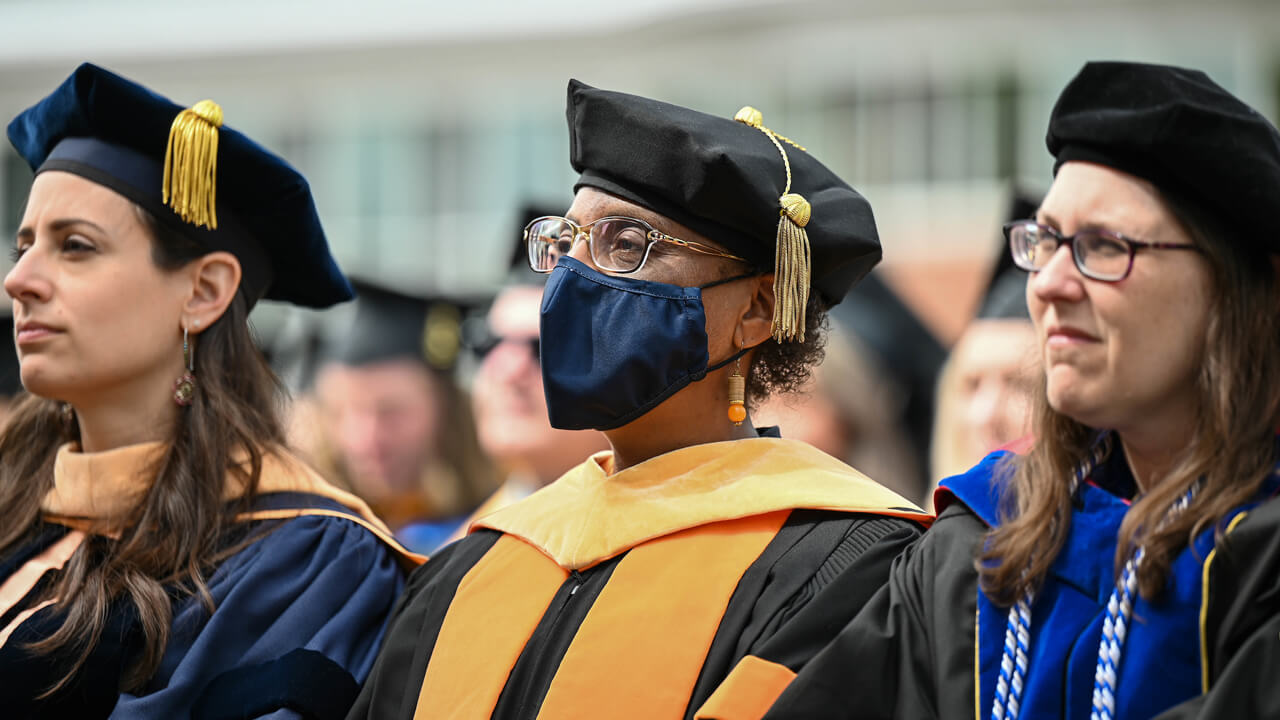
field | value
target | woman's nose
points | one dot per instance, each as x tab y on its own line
27	279
1060	279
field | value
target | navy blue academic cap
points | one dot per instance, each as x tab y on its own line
116	133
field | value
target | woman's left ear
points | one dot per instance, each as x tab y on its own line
215	278
755	325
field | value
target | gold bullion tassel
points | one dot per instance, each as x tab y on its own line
791	259
191	164
791	269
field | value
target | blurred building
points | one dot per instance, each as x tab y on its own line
421	124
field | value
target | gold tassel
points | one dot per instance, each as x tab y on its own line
791	270
191	164
791	259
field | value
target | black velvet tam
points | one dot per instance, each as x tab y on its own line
721	178
1179	130
115	132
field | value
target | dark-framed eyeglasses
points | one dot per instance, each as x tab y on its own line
482	347
1098	254
617	244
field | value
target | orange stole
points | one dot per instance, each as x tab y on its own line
642	645
640	648
496	608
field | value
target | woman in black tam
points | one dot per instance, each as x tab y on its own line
688	280
1124	563
162	555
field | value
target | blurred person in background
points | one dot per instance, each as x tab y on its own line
163	555
697	552
985	389
870	401
393	424
506	391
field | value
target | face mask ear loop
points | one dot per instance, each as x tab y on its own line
732	358
728	280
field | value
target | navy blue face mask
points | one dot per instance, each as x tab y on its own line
613	348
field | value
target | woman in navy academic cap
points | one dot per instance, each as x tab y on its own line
1126	562
162	554
689	279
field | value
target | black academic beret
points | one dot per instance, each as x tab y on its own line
1180	131
721	178
116	133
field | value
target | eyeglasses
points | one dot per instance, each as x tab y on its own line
1098	254
482	347
617	244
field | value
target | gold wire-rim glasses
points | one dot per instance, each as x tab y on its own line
652	237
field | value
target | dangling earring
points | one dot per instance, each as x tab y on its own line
184	388
737	394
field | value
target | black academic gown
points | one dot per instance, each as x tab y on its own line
911	651
468	641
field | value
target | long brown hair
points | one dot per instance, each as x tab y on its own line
1231	452
178	528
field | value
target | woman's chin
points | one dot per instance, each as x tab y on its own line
41	385
1077	404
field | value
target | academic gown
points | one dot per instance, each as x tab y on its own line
929	644
635	594
301	604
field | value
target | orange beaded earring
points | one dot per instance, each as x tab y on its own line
737	394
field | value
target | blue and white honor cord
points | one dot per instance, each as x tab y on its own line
1115	627
1017	638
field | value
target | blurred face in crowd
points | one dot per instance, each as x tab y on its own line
810	416
507	397
994	363
382	420
95	319
1117	355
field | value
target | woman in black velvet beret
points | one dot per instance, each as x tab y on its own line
1124	560
162	554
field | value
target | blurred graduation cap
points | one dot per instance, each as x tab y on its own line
519	272
1005	297
390	324
195	175
903	348
476	335
10	369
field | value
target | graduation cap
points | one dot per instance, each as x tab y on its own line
1005	297
389	324
1182	132
519	271
735	181
902	346
10	369
196	175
